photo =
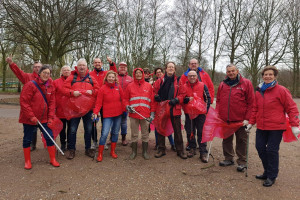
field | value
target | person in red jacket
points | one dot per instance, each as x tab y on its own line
98	74
60	103
124	80
234	104
109	98
37	103
189	91
166	88
139	97
272	103
81	83
25	78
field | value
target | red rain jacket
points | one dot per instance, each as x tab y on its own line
234	104
60	99
21	75
139	95
33	104
269	109
177	107
124	80
110	98
99	76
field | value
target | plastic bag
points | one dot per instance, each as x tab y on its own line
216	127
196	107
162	121
288	135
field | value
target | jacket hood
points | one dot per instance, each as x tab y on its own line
143	76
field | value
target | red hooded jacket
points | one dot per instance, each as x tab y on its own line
234	103
21	75
99	76
139	95
33	104
177	107
269	109
60	99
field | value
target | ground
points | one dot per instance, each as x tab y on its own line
168	177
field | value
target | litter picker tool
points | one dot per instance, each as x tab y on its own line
141	115
247	155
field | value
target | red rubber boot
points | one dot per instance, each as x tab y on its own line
27	158
112	151
51	150
100	153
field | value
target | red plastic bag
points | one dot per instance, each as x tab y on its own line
196	107
162	121
56	126
78	106
288	135
216	127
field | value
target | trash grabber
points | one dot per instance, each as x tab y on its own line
95	134
247	154
141	116
40	124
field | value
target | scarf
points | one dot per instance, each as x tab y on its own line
267	85
167	88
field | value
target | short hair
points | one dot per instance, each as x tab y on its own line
158	68
108	73
146	71
82	60
194	59
169	63
63	67
231	65
44	67
270	67
36	62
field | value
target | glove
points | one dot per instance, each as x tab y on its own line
296	131
129	109
157	98
173	102
245	123
152	115
95	117
186	100
249	126
34	120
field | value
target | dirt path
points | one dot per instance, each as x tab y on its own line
165	178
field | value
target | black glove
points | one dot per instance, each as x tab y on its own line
157	98
173	102
186	100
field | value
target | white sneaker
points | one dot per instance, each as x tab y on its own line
94	145
105	147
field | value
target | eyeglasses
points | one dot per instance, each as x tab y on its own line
192	75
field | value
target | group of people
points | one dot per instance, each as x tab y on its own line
115	96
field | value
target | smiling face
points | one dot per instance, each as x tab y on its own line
97	63
122	69
36	67
159	73
111	78
138	75
232	72
170	69
82	68
268	76
45	75
192	76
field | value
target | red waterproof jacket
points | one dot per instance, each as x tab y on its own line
188	90
234	103
21	75
33	104
110	97
204	77
177	107
269	109
89	83
139	95
99	76
124	80
59	96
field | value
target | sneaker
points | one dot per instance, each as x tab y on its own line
90	153
241	168
225	163
159	154
191	153
173	148
203	158
105	147
70	154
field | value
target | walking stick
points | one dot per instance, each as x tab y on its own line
40	124
247	155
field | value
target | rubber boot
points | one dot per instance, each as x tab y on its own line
145	151
100	153
112	150
52	151
27	158
134	150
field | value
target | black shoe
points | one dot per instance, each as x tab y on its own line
182	155
90	153
269	182
261	177
225	163
160	153
241	168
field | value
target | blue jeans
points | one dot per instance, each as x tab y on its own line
267	145
87	124
124	123
29	131
170	137
113	123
